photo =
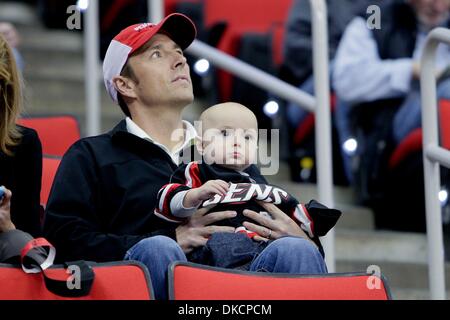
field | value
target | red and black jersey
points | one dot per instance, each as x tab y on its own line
245	189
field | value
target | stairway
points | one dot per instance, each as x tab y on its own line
54	77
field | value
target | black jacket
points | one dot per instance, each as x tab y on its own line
21	173
104	194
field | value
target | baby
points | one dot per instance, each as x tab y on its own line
228	178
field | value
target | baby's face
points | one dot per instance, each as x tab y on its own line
231	141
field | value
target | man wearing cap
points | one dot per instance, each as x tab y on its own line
106	187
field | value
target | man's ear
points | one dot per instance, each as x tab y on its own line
125	86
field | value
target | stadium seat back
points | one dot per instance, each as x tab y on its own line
57	133
246	13
124	280
188	281
444	119
241	17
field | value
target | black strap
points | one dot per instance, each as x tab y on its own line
77	285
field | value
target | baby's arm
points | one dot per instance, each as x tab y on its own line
195	196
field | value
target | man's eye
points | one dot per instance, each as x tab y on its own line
156	54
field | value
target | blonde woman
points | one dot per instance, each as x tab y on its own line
20	159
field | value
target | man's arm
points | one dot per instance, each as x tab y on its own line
360	75
73	221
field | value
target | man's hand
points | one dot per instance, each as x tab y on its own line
281	225
198	229
5	213
196	196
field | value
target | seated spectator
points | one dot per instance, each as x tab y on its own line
382	66
377	77
20	149
106	186
298	56
9	32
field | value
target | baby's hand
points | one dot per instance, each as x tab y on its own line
196	196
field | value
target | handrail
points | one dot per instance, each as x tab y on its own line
323	141
252	74
155	10
433	156
92	67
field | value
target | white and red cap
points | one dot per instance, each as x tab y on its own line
177	26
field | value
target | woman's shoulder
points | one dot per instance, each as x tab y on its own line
28	134
30	138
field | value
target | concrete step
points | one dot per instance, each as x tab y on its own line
412	294
400	256
41	39
20	14
353	216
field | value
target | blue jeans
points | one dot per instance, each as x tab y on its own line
290	255
409	115
157	253
284	255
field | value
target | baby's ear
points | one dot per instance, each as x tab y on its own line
199	145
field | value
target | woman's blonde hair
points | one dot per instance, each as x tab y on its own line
10	99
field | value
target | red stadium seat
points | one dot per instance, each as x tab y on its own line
49	168
57	133
413	142
189	281
246	13
265	14
444	117
278	32
124	280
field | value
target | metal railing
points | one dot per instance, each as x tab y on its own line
320	105
92	68
433	157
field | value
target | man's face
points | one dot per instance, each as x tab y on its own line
431	13
162	74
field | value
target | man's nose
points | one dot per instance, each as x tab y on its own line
179	61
